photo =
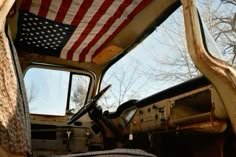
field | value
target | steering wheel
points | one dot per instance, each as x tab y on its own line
87	107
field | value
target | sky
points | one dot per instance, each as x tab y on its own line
50	88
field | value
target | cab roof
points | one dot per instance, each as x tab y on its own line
91	31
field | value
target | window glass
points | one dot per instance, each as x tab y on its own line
159	62
212	48
219	28
79	90
47	90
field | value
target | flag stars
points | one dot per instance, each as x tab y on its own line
43	33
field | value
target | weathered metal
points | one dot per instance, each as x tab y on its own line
219	73
208	127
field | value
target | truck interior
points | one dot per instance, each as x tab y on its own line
85	78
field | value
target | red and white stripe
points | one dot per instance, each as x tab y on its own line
34	8
97	27
79	33
111	30
96	21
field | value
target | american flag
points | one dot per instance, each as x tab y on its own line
73	29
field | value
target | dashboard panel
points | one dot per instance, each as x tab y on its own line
195	106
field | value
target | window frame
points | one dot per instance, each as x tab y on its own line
72	71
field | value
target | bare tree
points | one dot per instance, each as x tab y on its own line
79	95
173	65
32	93
127	83
220	17
79	91
177	66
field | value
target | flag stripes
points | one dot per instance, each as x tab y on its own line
122	25
100	12
44	8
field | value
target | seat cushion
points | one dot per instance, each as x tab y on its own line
14	115
112	153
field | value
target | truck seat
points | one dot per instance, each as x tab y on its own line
121	152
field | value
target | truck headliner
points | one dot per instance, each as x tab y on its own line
88	35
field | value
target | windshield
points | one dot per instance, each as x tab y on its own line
161	60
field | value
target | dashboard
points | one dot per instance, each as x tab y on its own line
192	105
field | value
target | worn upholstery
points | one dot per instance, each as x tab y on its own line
112	153
14	115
